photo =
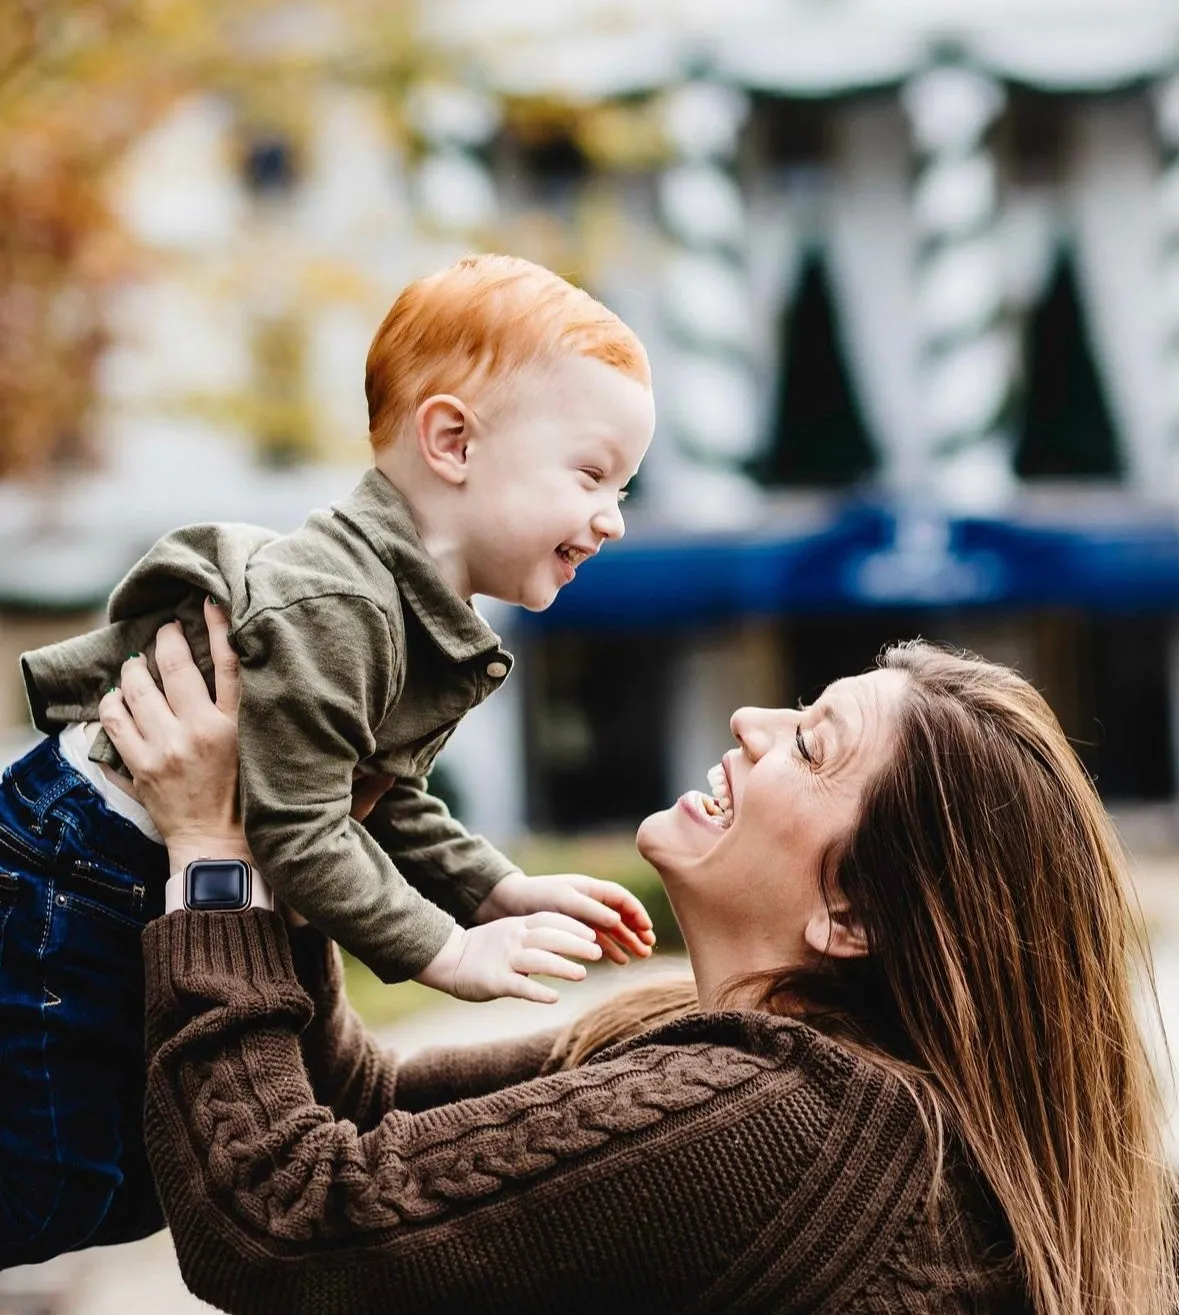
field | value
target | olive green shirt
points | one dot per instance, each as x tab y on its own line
355	656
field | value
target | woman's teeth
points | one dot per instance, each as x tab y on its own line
722	805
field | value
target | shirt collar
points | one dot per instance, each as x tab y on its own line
379	512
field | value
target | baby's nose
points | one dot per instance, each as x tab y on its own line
609	523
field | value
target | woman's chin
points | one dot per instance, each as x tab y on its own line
647	838
672	839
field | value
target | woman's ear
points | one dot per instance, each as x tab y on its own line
445	427
834	930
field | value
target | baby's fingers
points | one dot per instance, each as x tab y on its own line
526	960
559	941
631	941
524	988
629	907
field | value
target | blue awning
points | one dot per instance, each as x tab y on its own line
873	555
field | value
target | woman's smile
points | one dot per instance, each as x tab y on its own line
704	809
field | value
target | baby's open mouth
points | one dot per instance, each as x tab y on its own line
573	556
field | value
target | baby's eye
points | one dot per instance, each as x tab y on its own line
596	475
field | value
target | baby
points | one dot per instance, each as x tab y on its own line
507	412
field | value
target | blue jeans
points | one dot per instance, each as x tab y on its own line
77	884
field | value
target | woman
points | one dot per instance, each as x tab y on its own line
913	1081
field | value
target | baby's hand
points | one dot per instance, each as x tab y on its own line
484	963
622	924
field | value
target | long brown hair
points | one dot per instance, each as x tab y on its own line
1003	942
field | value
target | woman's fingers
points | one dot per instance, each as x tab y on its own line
144	699
183	683
120	726
225	662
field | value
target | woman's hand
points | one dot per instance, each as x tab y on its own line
180	746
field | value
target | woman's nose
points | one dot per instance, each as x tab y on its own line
752	729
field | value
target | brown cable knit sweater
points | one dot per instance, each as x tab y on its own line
724	1163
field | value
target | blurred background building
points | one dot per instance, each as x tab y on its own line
908	272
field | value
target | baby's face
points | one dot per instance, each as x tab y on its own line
546	483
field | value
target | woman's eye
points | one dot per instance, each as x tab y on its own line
801	743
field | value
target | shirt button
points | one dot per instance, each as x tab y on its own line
497	670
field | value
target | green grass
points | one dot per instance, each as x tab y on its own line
611	857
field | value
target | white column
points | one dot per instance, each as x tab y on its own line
709	390
454	191
969	350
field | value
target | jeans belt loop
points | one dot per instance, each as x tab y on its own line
67	782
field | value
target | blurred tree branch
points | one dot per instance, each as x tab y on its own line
80	81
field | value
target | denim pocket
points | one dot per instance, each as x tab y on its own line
104	890
21	852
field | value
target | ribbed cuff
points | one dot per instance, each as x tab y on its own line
250	946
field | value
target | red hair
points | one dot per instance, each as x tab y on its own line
478	320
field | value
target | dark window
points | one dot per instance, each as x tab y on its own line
823	649
818	435
597	730
1106	678
1066	427
269	165
789	133
547	160
1030	136
1125	732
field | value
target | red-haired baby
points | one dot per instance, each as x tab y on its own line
508	410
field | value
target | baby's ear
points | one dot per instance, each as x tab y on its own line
835	931
445	426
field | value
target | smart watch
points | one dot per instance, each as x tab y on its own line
217	885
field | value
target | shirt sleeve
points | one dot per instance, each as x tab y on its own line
446	862
317	676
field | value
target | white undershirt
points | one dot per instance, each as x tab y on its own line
75	743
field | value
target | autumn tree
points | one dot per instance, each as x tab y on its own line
80	80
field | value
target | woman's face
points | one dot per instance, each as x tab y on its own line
744	858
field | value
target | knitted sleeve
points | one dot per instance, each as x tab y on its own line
361	1081
744	1176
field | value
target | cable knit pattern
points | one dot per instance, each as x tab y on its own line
724	1163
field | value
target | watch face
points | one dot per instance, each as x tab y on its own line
214	884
